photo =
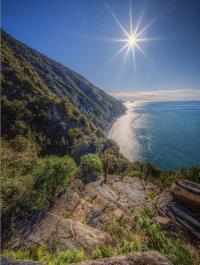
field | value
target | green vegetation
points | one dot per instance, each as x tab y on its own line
175	249
29	183
90	167
41	254
102	252
108	159
52	174
152	195
162	178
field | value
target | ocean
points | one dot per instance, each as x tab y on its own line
166	133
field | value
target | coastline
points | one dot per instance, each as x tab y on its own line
112	121
158	134
122	132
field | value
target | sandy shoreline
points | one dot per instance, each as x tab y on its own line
122	132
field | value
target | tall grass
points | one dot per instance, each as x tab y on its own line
175	249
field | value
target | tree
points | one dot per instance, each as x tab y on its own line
90	167
183	172
108	159
194	174
122	166
139	166
151	169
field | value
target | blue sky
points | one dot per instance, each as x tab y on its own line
78	34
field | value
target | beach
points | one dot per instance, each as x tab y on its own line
122	132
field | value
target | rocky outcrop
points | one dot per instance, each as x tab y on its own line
117	197
10	261
181	204
48	229
78	218
188	193
137	258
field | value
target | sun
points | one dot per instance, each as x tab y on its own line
132	41
134	37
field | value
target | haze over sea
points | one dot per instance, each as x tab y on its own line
166	133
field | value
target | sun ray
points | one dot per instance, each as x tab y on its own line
140	49
120	40
121	50
139	22
117	21
130	18
151	22
133	56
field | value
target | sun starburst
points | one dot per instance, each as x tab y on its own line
134	37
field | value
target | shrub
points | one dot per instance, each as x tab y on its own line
51	175
30	183
152	195
122	166
135	244
90	167
19	156
102	252
119	231
70	256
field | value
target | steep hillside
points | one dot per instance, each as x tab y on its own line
59	80
48	111
50	104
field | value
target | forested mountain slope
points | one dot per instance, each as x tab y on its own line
49	102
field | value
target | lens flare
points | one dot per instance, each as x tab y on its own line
133	37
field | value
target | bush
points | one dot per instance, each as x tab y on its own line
19	156
70	256
90	167
152	195
29	183
102	252
135	244
51	175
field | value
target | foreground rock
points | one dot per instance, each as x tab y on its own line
181	204
162	221
137	258
50	229
187	193
78	218
9	261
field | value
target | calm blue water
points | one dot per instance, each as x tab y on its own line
169	133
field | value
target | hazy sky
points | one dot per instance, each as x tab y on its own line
78	34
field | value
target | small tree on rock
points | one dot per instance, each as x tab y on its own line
140	167
151	169
122	166
90	167
108	159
